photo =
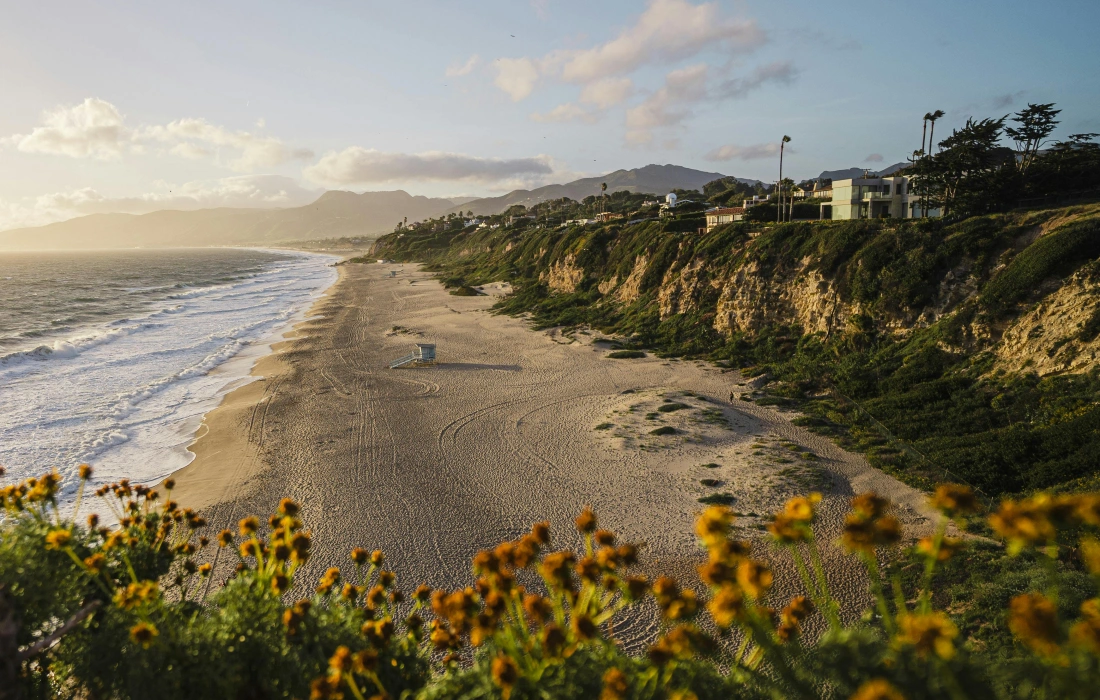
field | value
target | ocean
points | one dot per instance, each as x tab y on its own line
112	358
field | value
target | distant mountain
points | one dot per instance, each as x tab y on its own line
652	179
852	173
334	214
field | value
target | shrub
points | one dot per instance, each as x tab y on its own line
670	407
625	354
663	430
121	612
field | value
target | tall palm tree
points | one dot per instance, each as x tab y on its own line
932	117
924	131
603	195
932	132
784	142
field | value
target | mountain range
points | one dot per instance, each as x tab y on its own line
334	214
651	179
852	173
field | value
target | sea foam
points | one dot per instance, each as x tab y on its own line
128	396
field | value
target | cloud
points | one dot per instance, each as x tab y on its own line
92	129
687	87
193	135
781	72
458	69
516	76
1007	100
96	128
541	8
874	158
668	30
238	191
759	151
566	112
668	106
357	165
607	92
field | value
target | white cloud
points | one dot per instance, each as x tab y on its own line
254	151
95	128
566	112
458	69
668	106
757	151
781	72
356	165
92	129
673	103
248	191
516	76
191	151
668	30
607	92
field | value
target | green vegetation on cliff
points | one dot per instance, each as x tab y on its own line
889	335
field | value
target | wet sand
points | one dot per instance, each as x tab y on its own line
512	426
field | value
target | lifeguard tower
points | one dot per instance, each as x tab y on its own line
423	355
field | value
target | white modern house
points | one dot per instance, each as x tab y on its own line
723	215
875	198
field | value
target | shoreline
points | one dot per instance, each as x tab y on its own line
512	426
215	437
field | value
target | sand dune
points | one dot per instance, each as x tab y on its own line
512	426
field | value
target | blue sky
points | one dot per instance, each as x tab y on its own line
139	106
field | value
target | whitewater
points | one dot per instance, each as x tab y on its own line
127	393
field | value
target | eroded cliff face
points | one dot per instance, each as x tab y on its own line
747	296
564	275
631	288
750	300
1058	335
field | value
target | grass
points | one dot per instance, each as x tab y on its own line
670	407
712	465
718	499
605	426
625	354
711	482
664	430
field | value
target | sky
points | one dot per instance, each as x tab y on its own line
137	106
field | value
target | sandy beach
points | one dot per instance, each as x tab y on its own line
512	426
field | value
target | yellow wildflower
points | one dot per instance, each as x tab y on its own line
505	673
931	633
58	539
615	685
954	500
877	689
143	633
713	525
727	606
949	546
1033	618
754	577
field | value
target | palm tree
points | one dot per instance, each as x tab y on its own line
932	132
603	195
784	142
931	140
924	131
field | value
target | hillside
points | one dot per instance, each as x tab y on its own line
651	179
334	214
966	351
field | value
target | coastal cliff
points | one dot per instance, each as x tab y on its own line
967	349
